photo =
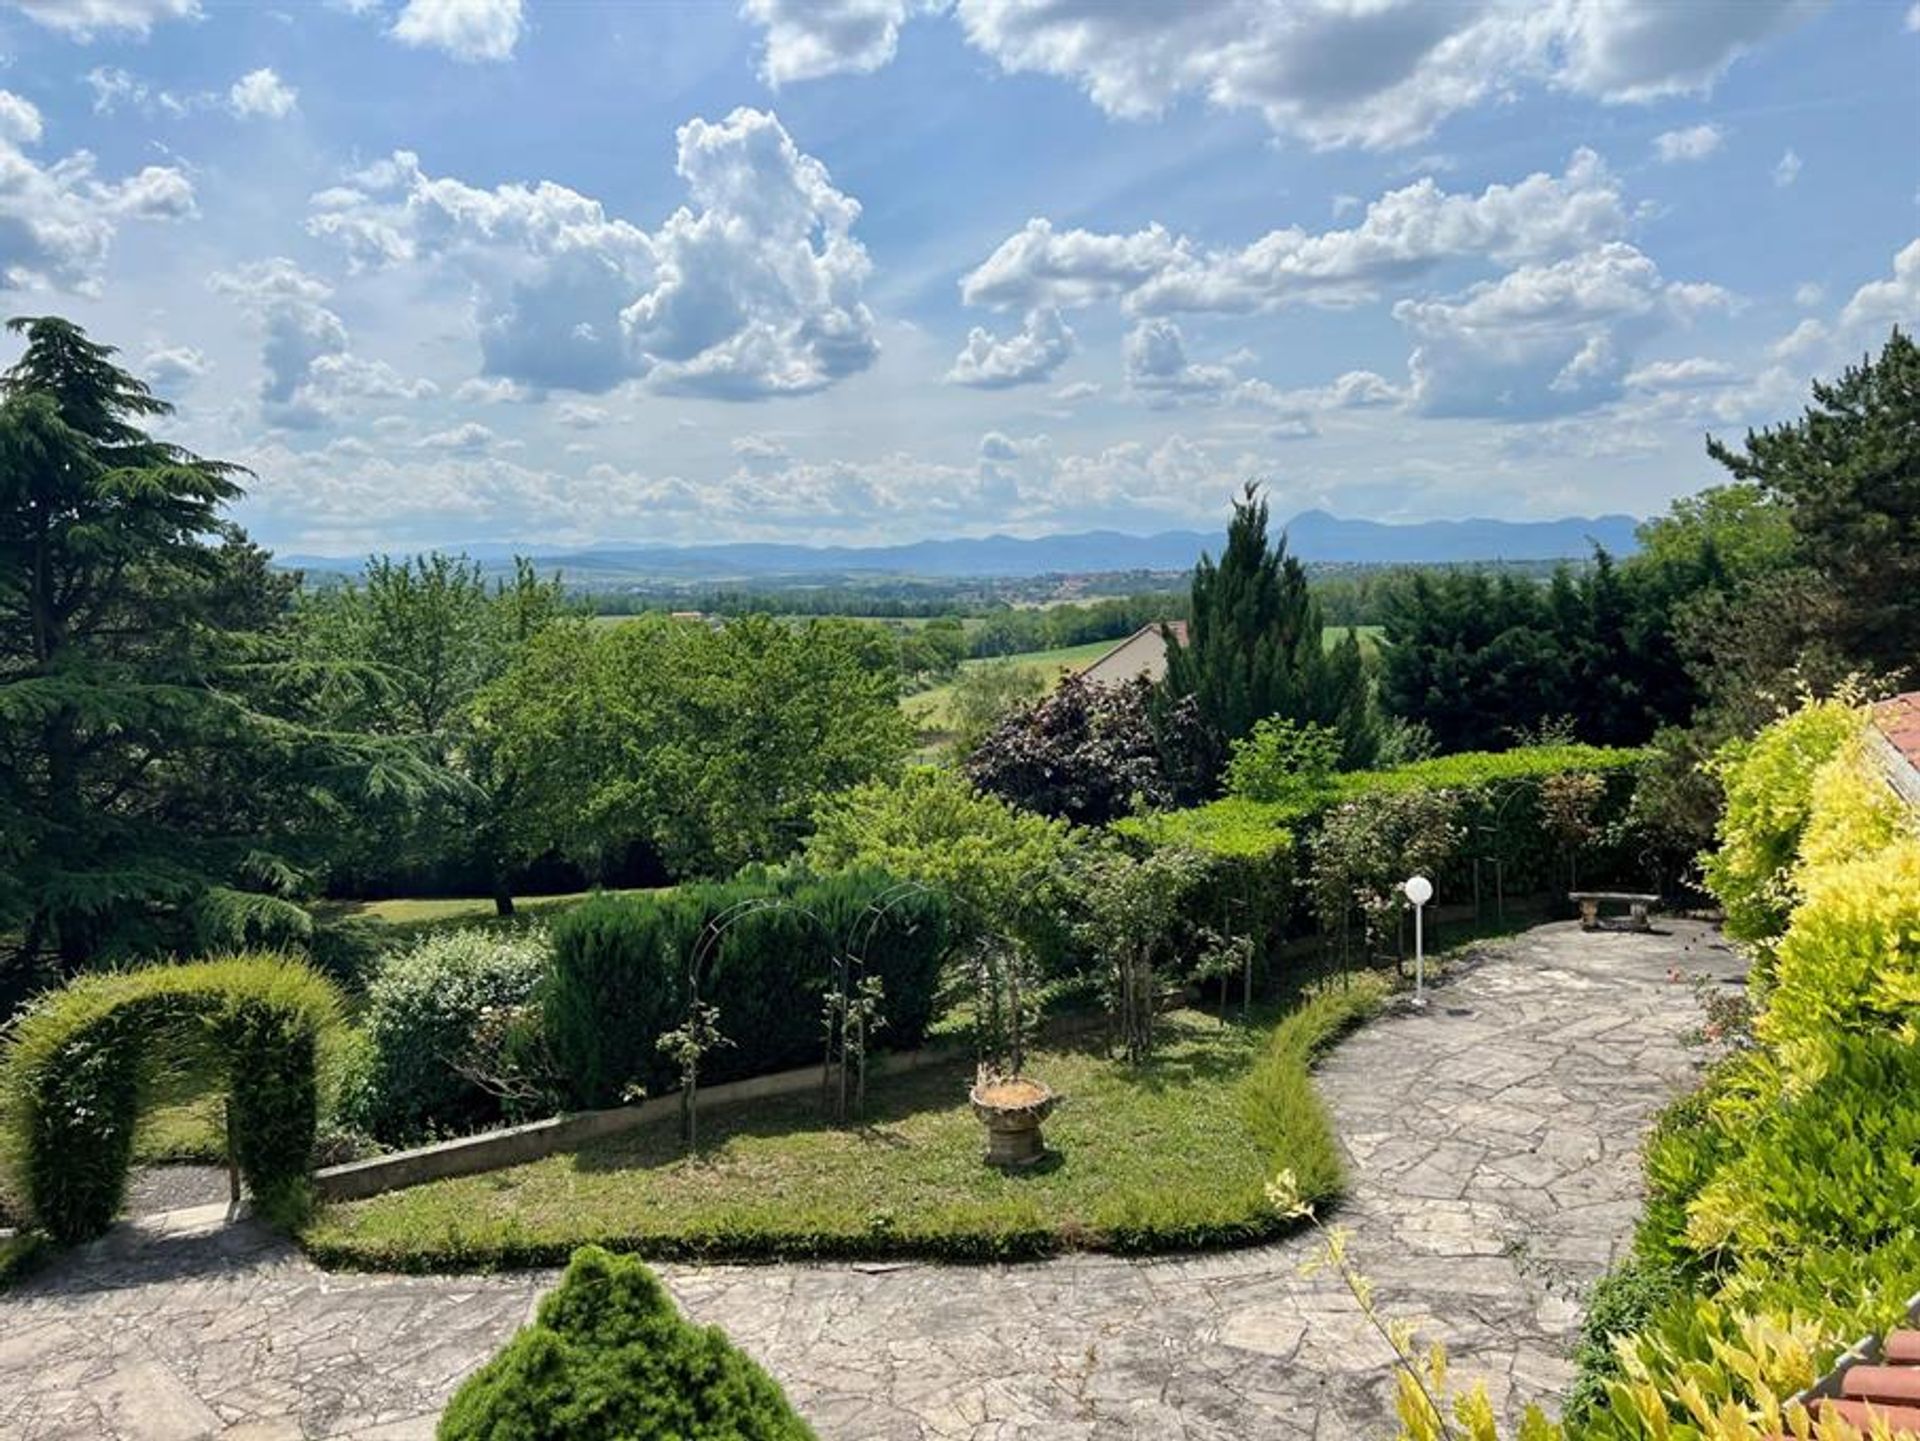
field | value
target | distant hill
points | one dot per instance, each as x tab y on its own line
1313	535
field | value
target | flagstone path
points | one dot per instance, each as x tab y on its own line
1493	1140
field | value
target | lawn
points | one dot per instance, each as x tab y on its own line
1174	1154
419	910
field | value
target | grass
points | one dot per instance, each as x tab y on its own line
1173	1154
423	910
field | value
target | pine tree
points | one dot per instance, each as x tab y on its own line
1847	474
151	754
1254	646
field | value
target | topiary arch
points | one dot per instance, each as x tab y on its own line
75	1072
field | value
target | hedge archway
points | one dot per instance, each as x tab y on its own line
75	1073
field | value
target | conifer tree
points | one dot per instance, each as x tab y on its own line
154	770
1254	647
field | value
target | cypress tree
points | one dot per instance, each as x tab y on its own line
1254	647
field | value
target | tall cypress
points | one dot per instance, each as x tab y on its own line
1254	646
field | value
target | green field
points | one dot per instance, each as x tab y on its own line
927	708
413	910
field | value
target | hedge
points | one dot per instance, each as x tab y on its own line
609	1358
619	978
81	1059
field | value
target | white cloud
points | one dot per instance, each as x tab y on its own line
84	20
20	122
173	366
1809	293
58	221
1787	168
1696	142
113	87
1403	234
1375	74
1157	366
1077	391
470	30
262	92
752	290
1543	340
470	436
491	390
1031	354
1913	18
1693	372
309	366
578	416
806	39
1895	301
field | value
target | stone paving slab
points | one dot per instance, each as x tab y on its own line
1493	1139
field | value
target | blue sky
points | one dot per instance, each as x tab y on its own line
865	270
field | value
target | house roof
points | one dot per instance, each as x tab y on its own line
1875	1381
1896	730
1142	653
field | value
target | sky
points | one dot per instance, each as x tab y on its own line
862	271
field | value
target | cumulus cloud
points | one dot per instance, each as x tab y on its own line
1693	372
1894	301
470	436
1543	340
1158	368
753	289
86	20
806	39
309	366
1378	75
1031	354
1077	391
470	30
1786	169
173	366
262	92
58	221
1696	142
1402	234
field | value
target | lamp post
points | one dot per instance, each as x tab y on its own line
1419	890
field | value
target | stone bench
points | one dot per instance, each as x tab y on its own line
1637	907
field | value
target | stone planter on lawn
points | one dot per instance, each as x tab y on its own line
1012	1108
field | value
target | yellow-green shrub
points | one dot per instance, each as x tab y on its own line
1769	786
1850	962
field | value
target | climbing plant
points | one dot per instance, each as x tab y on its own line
77	1069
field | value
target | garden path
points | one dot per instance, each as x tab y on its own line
1493	1140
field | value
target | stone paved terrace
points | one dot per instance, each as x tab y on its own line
1493	1139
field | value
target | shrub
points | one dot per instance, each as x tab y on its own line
620	974
609	1358
1006	871
1850	962
425	1009
75	1077
1622	1302
1769	783
1283	761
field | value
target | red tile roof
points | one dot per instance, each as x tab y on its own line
1899	721
1886	1389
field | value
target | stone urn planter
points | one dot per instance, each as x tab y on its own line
1012	1108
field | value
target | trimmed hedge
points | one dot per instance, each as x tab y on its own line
609	1358
619	977
77	1072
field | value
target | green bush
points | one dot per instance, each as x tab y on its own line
1624	1301
1769	785
620	974
424	1009
610	1359
75	1076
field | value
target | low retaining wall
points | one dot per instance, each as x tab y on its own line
490	1150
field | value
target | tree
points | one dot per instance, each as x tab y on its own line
709	747
1085	753
984	695
422	637
1847	474
151	741
1254	646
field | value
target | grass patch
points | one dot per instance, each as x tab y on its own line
424	910
1173	1155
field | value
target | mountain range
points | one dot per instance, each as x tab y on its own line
1313	535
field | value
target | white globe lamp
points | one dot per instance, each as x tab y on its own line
1418	890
